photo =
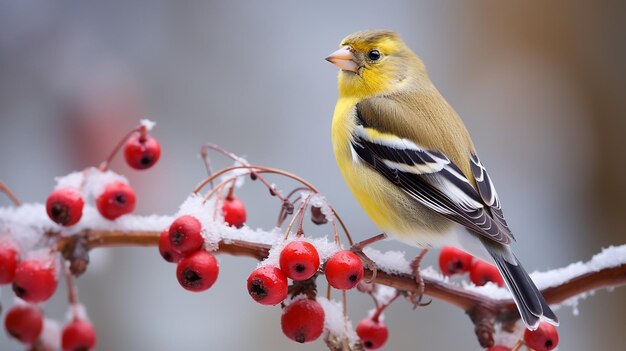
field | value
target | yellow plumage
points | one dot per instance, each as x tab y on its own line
411	164
418	118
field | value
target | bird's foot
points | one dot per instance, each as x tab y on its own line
417	298
369	263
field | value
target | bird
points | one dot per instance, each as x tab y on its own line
409	161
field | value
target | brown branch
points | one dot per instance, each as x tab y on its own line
482	310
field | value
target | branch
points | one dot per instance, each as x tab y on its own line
484	311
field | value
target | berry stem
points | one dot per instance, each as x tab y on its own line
382	307
207	162
362	244
328	289
221	186
344	300
254	174
9	193
305	205
518	344
336	234
72	291
258	170
293	220
104	166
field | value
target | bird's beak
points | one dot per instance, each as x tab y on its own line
344	59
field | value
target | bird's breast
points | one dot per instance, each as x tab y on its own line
392	210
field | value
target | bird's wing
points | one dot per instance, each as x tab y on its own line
429	177
488	192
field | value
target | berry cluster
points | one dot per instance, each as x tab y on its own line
34	273
453	261
65	204
303	319
197	269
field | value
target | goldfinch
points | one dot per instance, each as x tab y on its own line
411	164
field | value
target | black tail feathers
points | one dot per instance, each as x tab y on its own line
530	303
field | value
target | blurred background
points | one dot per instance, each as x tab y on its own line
540	85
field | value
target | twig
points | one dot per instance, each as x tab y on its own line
10	194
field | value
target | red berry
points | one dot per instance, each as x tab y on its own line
185	235
303	320
498	348
65	206
299	260
545	338
344	270
267	285
142	152
482	272
166	250
117	199
35	280
372	333
24	322
197	272
78	335
234	212
454	261
8	262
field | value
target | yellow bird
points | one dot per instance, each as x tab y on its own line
411	164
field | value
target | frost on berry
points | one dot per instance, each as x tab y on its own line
117	199
142	152
185	234
198	271
545	338
267	285
78	335
8	262
24	322
454	261
373	333
65	206
35	280
344	270
299	260
482	272
303	320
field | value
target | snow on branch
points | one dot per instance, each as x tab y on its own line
485	305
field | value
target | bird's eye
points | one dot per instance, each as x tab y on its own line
373	55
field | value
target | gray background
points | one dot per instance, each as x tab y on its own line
539	85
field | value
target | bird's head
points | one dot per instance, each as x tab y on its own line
375	62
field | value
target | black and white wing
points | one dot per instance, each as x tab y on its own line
430	178
488	191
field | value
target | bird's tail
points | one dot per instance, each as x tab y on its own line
530	303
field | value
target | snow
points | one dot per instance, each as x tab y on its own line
318	200
395	262
392	262
51	334
334	321
147	123
383	294
79	310
94	181
325	248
